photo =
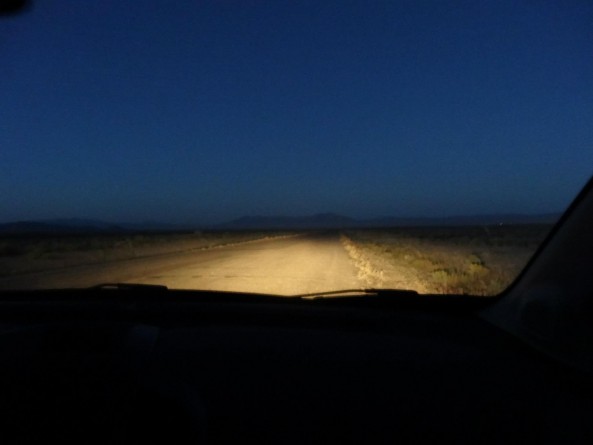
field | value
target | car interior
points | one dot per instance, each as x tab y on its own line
144	364
139	363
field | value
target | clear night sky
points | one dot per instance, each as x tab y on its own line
203	111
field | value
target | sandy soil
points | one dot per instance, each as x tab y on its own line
286	266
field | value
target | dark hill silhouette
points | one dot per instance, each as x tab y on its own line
335	221
57	227
316	221
84	226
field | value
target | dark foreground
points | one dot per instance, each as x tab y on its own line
149	367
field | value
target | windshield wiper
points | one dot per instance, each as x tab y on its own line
358	293
398	299
129	286
160	292
312	295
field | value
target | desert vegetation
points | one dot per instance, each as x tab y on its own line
32	253
465	260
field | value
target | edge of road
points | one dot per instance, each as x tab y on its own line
22	274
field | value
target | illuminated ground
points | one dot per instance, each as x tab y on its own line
302	264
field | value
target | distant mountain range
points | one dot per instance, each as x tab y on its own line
84	226
317	221
332	220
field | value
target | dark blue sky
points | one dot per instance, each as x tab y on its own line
203	111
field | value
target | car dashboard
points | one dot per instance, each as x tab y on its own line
138	366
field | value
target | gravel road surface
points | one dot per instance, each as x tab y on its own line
302	264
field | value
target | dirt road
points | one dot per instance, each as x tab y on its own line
301	264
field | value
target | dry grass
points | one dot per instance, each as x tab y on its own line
461	260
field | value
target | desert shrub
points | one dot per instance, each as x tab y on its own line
466	260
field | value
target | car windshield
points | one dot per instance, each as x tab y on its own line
289	147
